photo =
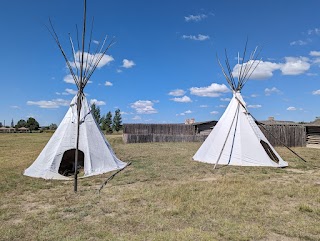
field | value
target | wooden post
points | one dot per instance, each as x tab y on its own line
77	144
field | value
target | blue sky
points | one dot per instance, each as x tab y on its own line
163	67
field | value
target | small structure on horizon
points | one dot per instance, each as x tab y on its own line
189	121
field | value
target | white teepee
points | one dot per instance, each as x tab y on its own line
236	139
95	153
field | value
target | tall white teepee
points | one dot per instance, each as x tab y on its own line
236	139
57	157
78	140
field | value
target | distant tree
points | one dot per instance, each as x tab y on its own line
117	121
21	123
53	126
108	123
95	110
32	124
12	123
1	124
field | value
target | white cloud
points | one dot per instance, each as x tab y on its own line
70	92
225	99
124	113
108	83
183	99
185	112
95	41
91	58
49	104
254	95
254	106
299	42
295	65
144	107
203	106
127	63
195	18
15	107
177	92
213	90
69	79
272	90
264	69
200	37
119	70
97	102
214	112
291	108
316	92
291	66
314	53
222	106
136	117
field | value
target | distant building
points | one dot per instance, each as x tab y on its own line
7	129
189	121
23	130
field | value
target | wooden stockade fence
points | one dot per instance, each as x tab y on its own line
289	134
293	135
163	129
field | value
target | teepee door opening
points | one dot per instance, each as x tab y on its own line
67	167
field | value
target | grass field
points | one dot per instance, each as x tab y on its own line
163	195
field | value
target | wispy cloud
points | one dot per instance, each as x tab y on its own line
195	18
97	102
177	92
136	117
315	31
225	99
108	83
273	90
291	108
49	104
200	37
214	112
127	63
144	107
184	99
213	90
298	42
15	107
203	106
184	113
254	106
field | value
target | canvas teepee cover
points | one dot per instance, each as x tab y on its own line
236	139
94	150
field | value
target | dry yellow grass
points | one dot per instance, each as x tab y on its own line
163	195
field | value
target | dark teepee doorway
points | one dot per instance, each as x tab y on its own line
67	167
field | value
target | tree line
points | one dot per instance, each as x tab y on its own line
106	122
30	123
